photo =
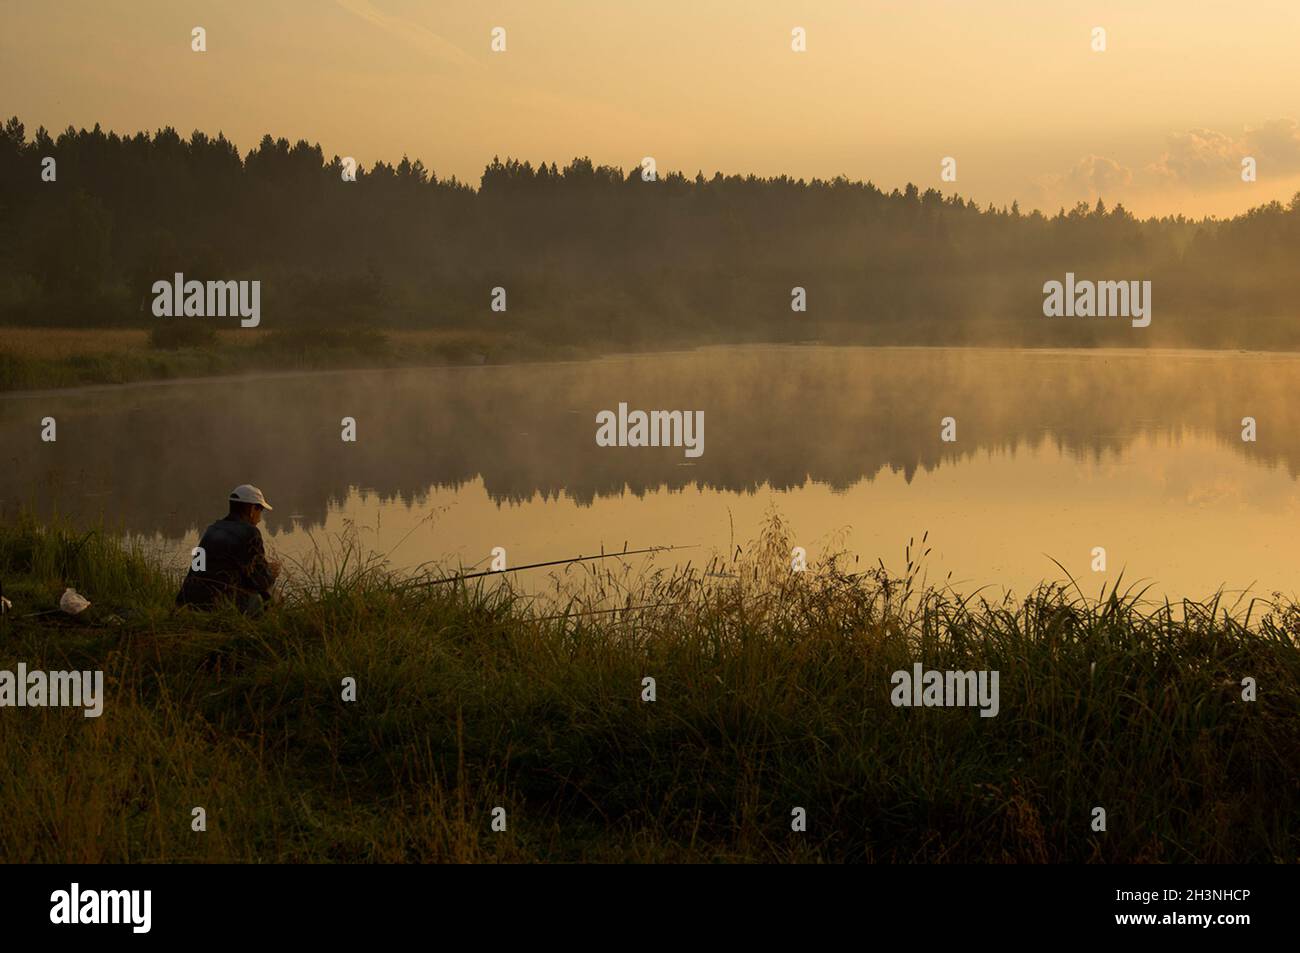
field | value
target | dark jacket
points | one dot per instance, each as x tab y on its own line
236	566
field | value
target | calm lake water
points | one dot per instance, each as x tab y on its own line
1056	453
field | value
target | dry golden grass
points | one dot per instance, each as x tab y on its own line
54	343
43	358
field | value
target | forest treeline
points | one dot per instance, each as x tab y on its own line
593	252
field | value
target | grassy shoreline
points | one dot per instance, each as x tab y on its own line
47	359
37	358
772	693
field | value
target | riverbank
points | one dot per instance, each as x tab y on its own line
772	692
36	358
57	358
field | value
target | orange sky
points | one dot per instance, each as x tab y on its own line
886	89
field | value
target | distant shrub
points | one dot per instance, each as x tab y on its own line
175	334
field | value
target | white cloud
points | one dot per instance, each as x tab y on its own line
1204	157
1091	177
1196	159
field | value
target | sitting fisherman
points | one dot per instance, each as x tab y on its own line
233	560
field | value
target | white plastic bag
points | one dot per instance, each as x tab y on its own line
73	603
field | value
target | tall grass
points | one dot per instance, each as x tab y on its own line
772	693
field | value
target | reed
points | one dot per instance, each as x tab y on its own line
772	693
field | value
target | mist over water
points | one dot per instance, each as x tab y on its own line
1056	453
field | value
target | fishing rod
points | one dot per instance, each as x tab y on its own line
574	615
553	562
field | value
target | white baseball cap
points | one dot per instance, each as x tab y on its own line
247	493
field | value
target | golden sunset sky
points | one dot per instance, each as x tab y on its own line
886	89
